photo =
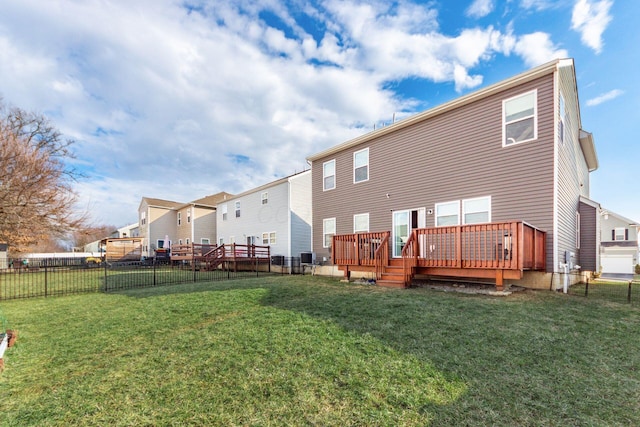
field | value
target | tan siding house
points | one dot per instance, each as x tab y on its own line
494	155
182	223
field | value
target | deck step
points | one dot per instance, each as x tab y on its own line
390	283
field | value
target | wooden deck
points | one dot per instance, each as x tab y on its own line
499	250
210	257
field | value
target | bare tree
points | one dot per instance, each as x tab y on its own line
85	235
36	194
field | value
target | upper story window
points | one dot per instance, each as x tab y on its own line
143	218
620	233
361	223
223	208
361	165
476	211
179	218
519	118
448	213
329	175
237	209
328	231
265	198
189	216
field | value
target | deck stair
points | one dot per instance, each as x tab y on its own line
393	275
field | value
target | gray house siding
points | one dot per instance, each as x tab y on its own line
573	174
300	213
451	156
589	232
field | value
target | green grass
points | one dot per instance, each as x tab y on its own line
301	350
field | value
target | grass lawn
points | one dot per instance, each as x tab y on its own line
301	350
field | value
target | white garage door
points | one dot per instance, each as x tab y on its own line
617	264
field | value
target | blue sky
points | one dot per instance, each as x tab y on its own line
182	99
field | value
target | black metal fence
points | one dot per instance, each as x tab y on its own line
621	291
40	278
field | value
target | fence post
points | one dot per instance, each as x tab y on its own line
629	292
154	271
254	257
586	288
106	283
46	282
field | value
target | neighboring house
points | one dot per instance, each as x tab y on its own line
131	230
619	252
512	153
277	214
181	223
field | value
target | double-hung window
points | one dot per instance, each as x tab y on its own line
179	218
189	216
361	166
620	233
264	197
448	213
269	238
466	211
329	175
361	223
519	118
328	231
476	211
237	209
223	208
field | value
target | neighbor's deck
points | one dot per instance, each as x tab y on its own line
210	256
499	250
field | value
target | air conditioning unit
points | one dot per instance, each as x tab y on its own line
307	258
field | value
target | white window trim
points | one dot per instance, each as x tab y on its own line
179	218
465	201
354	165
324	177
189	216
224	209
446	203
615	235
237	209
535	118
264	198
354	223
202	241
324	230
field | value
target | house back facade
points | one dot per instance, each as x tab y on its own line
515	150
277	214
181	223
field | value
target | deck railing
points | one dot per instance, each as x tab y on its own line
381	256
358	249
512	245
195	251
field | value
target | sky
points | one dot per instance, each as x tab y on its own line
180	99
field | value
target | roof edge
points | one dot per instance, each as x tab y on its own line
516	80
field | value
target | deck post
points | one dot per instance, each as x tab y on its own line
499	280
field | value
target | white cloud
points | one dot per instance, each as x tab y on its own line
537	48
479	8
175	103
537	4
590	19
612	94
